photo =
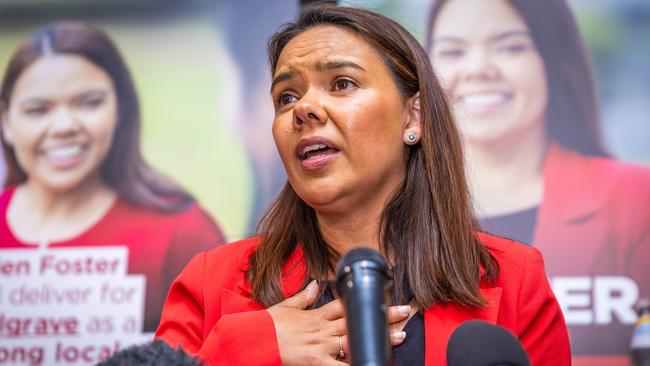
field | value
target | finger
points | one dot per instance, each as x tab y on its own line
304	298
398	313
332	310
335	362
335	347
397	337
338	326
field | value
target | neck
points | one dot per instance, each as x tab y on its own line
357	226
37	214
506	176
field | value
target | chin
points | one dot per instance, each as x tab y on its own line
319	200
63	184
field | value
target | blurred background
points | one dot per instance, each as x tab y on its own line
201	74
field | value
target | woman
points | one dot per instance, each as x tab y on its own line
373	159
524	96
70	133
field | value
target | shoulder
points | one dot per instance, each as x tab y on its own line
605	173
223	267
129	213
232	255
5	198
516	261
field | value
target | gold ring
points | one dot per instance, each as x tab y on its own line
341	353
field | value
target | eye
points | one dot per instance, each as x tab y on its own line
90	103
449	53
36	111
285	99
343	84
514	48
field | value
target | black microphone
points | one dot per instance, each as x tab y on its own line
478	343
363	281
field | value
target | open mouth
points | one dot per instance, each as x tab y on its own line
316	151
483	102
65	156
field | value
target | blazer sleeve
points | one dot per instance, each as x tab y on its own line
540	325
244	338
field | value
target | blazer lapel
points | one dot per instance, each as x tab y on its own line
293	276
441	320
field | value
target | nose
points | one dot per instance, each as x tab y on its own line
309	110
478	64
63	122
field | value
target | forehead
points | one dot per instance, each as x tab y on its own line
322	43
477	18
59	74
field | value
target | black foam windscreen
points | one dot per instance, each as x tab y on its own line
477	343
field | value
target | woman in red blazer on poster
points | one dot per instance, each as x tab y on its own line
373	159
525	100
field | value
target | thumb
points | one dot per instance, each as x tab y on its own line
304	298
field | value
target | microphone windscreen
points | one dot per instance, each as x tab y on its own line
361	254
477	343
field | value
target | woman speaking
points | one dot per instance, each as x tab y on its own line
373	159
75	175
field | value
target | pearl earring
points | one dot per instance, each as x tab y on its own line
411	138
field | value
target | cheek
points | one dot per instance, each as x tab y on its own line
532	83
446	74
281	136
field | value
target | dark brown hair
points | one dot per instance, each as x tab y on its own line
572	114
427	226
124	169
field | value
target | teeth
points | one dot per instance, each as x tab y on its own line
64	152
483	99
313	147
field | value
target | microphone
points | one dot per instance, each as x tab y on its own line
478	343
363	281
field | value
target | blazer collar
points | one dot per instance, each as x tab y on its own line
569	189
293	273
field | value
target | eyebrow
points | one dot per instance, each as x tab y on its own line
337	64
100	92
498	37
320	66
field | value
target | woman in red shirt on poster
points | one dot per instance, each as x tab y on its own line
373	159
75	174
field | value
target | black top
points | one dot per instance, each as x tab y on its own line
411	351
518	226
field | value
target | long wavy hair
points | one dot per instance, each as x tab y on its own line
572	114
427	225
123	169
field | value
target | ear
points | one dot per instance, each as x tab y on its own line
413	124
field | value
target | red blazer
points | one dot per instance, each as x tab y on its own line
209	311
595	216
594	220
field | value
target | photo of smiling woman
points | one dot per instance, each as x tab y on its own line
75	175
520	81
373	159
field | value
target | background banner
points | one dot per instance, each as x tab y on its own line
200	73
